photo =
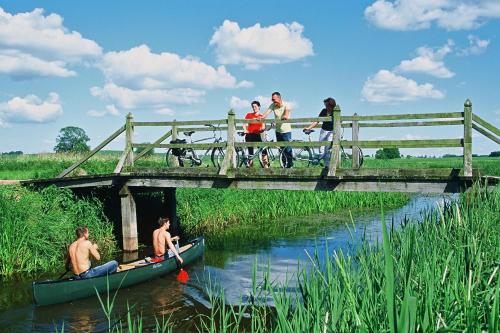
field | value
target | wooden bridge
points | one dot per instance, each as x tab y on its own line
129	178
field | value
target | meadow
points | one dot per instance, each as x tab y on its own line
49	165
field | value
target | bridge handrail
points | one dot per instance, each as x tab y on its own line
92	152
230	125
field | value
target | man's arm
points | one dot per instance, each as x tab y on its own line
265	114
93	250
172	248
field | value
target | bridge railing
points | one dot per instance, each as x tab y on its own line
231	125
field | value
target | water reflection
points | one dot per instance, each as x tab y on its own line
230	269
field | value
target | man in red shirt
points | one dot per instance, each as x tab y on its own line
253	132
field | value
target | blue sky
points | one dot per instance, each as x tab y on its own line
89	63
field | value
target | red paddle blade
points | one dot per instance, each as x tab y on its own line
183	276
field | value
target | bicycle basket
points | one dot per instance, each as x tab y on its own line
178	151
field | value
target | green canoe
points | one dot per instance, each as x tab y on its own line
59	291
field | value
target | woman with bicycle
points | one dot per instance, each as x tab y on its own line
326	132
253	132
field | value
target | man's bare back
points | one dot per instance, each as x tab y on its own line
79	252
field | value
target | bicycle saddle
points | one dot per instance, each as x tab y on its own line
189	133
307	131
241	133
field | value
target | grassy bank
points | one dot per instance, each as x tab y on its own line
231	217
440	274
50	165
37	226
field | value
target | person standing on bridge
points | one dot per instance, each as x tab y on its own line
161	237
79	256
253	132
326	132
284	130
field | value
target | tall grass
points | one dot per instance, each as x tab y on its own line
37	226
256	214
440	274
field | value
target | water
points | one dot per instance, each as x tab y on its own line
230	270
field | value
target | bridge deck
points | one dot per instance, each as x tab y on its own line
442	180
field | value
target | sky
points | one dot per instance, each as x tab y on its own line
90	63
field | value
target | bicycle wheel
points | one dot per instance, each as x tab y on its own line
346	158
300	157
217	157
266	157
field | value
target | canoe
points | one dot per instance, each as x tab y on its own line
65	290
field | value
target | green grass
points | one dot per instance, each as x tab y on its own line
440	274
37	226
230	217
50	165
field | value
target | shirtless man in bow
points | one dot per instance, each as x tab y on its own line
79	256
161	237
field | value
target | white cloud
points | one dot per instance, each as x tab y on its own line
146	98
238	103
256	46
387	87
31	109
421	14
165	112
413	137
476	46
32	45
110	109
139	68
429	62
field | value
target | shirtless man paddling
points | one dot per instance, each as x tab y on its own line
79	256
161	237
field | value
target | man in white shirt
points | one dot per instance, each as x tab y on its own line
284	130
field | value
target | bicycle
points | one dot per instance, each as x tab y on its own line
189	157
243	158
308	156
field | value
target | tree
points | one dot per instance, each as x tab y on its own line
387	153
72	139
495	154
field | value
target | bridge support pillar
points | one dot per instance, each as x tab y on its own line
129	220
169	198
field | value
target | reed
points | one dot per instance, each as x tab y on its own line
236	216
438	274
37	226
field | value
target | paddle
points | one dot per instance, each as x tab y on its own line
67	270
183	276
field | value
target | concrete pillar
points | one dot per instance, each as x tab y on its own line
129	220
170	203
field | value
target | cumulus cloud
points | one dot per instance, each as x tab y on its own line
165	112
387	87
421	14
256	46
476	46
238	103
140	78
110	109
146	98
33	44
31	109
429	62
139	68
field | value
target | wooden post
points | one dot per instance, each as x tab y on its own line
335	154
129	220
129	134
355	137
468	138
170	202
173	159
229	161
